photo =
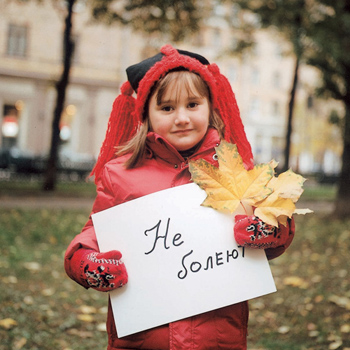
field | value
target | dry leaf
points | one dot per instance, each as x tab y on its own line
86	309
343	302
280	204
101	327
32	266
28	299
8	323
295	281
230	185
10	279
48	292
283	329
20	343
314	334
335	345
79	333
345	328
85	318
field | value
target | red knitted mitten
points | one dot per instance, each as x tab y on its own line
101	271
250	231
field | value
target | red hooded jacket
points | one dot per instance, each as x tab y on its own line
163	168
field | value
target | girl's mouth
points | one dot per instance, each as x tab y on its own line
185	131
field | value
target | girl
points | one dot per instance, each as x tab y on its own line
184	107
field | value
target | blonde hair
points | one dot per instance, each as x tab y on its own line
177	80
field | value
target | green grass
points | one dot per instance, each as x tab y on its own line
319	192
34	188
311	307
310	310
35	291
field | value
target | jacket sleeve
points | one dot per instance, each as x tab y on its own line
105	199
289	230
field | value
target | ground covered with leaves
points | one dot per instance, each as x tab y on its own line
40	308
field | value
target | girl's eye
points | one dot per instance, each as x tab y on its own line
193	105
167	108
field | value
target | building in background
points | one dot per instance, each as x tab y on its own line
30	63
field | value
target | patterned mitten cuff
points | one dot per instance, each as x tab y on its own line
101	271
250	231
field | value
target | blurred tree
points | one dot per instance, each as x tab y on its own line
320	33
174	18
61	88
330	37
290	18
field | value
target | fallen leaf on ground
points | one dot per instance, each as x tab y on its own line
10	279
32	266
283	329
8	323
86	309
85	318
295	281
20	343
340	301
314	334
28	299
81	334
345	328
335	345
101	327
48	292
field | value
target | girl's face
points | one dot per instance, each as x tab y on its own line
181	116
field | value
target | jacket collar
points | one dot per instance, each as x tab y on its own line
157	146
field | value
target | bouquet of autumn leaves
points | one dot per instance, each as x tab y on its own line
231	185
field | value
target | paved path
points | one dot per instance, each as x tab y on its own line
54	202
321	207
50	202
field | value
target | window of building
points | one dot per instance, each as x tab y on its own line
276	80
277	147
278	51
310	102
255	107
276	109
66	123
255	77
255	50
216	38
9	126
17	40
232	73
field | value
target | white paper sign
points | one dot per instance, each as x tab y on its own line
181	258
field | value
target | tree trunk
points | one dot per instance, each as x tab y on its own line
342	206
61	87
290	115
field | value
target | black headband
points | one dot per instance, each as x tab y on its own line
136	72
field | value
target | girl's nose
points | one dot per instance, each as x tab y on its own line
182	116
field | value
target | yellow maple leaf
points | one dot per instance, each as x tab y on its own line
230	185
280	204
